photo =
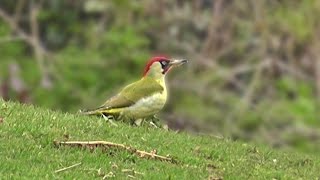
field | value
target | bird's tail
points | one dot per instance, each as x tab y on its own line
101	111
97	111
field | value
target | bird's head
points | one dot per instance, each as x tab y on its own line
159	66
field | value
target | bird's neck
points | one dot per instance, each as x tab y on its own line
159	78
162	81
155	73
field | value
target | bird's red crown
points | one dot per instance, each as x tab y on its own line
151	61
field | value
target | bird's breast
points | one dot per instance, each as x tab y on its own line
147	106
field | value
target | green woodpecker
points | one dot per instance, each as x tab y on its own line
144	97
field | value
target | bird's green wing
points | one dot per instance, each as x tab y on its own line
133	93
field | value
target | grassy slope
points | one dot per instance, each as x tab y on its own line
26	150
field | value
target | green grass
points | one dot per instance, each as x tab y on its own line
27	151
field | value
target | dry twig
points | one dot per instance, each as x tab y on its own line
106	144
66	168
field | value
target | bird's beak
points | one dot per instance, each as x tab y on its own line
177	62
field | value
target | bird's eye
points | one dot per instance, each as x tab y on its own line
164	63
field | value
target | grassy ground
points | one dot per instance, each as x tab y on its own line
27	151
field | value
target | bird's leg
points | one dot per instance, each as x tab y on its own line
153	124
155	121
104	117
109	119
139	122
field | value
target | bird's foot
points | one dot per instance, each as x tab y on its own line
153	124
138	122
109	119
82	111
156	122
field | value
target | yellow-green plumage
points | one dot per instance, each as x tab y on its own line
143	98
128	97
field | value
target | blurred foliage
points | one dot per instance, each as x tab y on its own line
254	72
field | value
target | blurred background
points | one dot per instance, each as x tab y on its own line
254	71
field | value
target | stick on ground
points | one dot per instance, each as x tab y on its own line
66	168
106	144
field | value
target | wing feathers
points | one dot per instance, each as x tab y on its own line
133	93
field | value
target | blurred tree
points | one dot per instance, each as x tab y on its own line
254	72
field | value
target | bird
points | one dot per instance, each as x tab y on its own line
143	98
